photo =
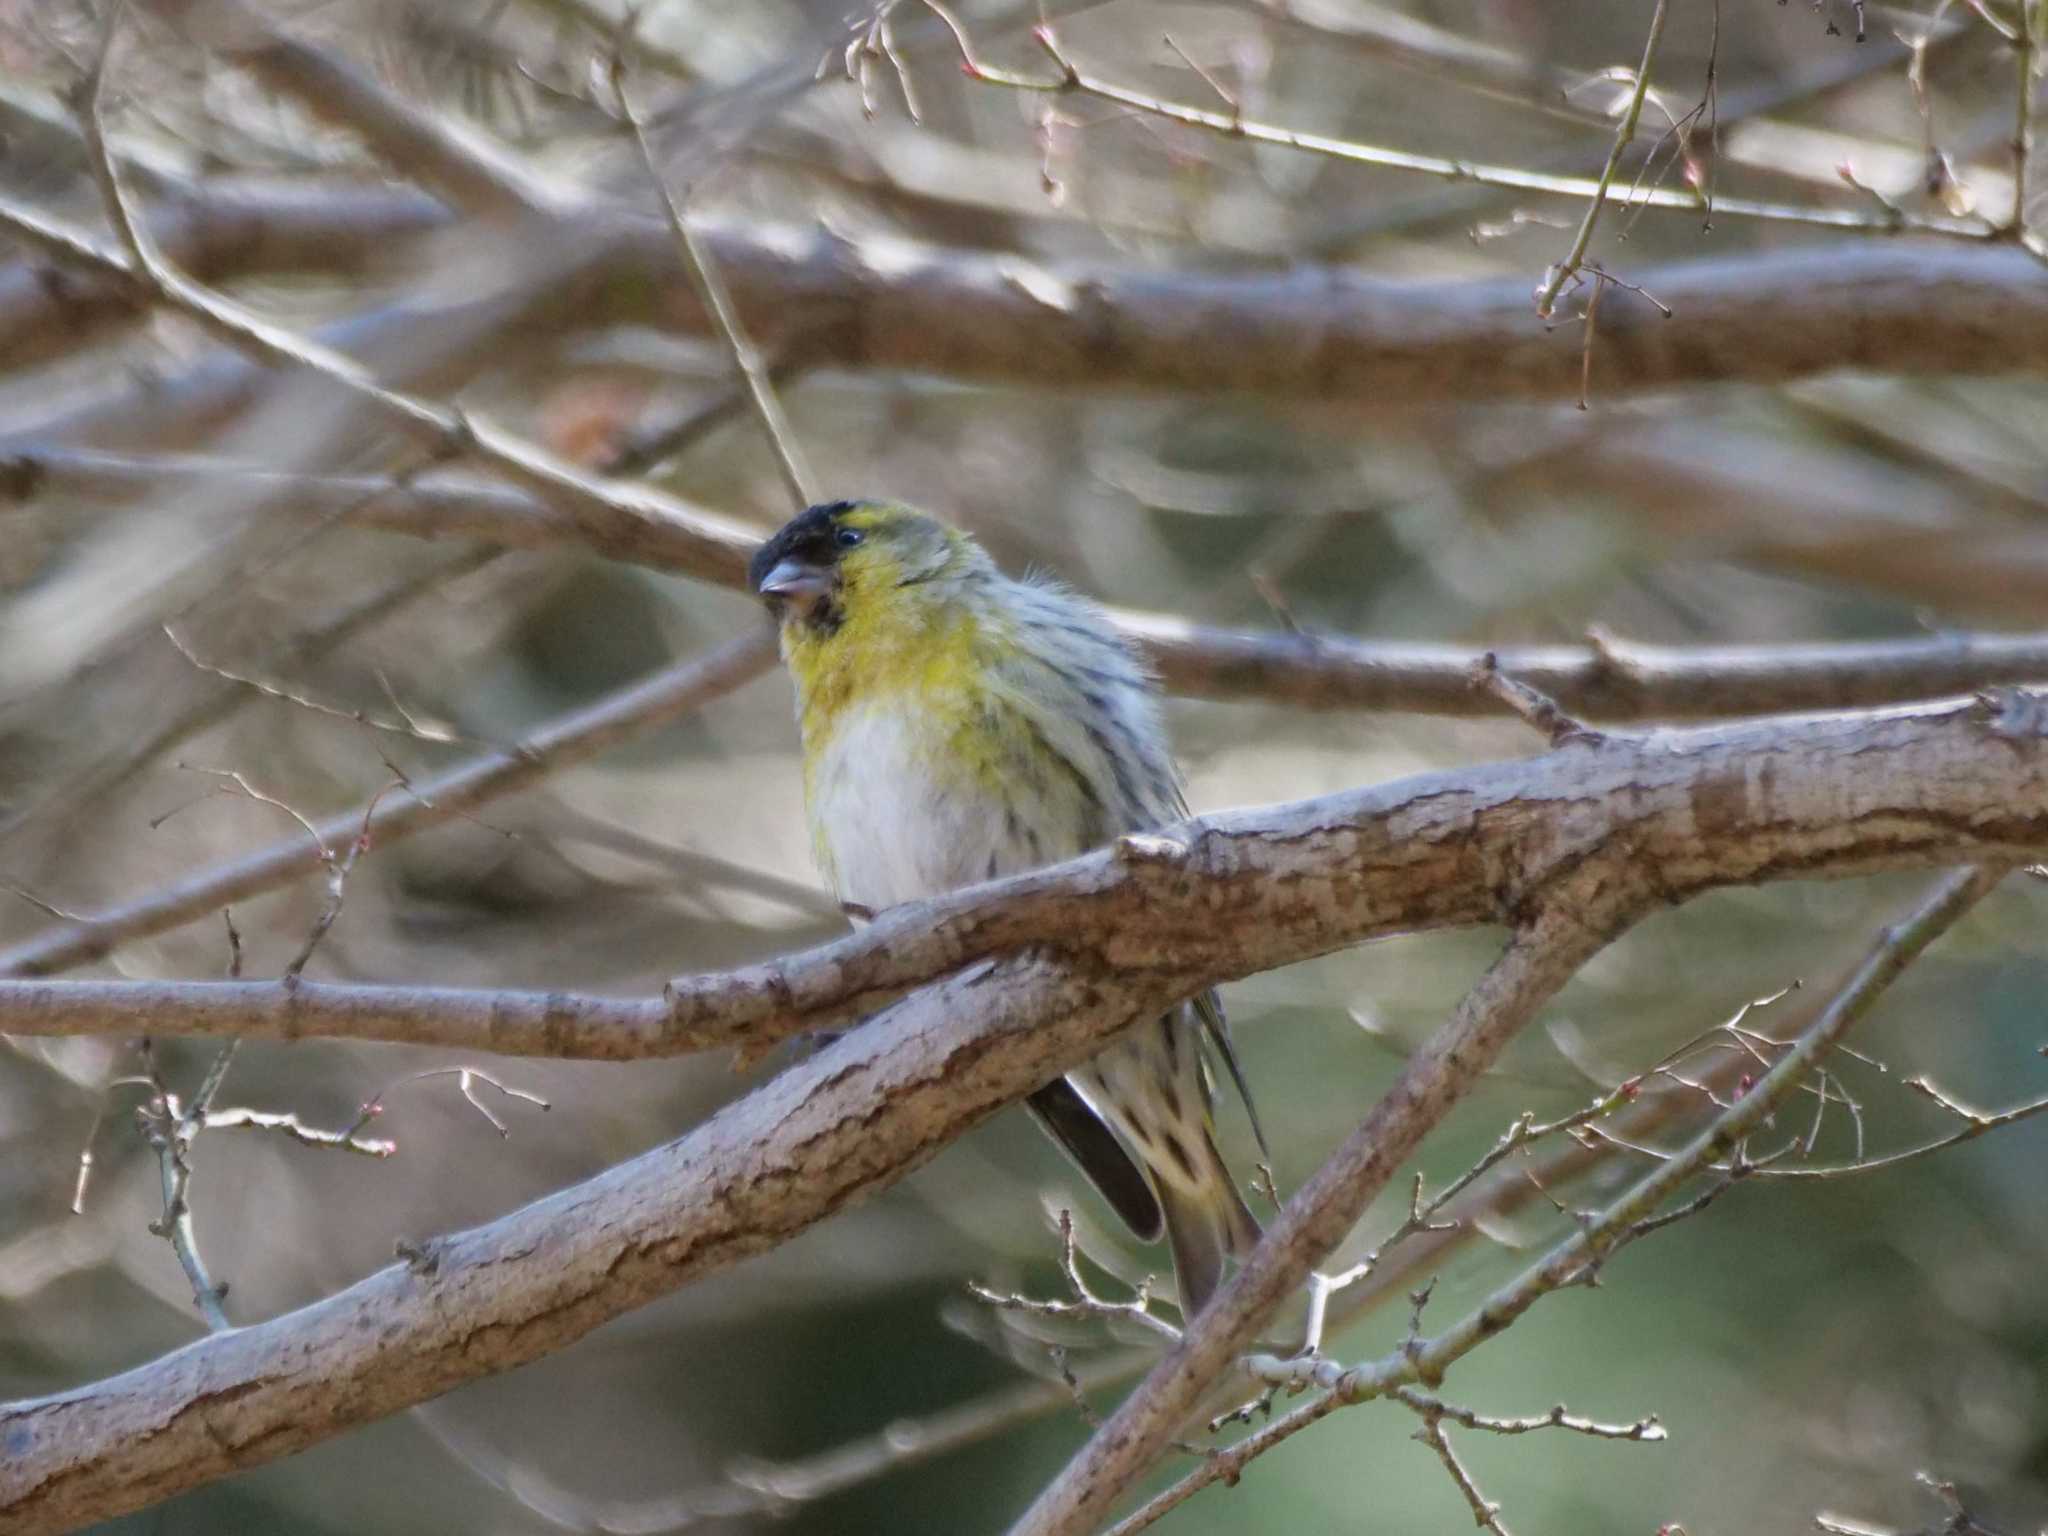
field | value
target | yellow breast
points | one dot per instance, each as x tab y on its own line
927	655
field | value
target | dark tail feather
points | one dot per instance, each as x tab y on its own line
1205	1227
1066	1117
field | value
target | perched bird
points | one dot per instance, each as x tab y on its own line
958	725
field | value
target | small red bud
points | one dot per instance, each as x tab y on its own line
1631	1088
1743	1084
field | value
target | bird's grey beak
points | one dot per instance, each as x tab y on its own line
796	582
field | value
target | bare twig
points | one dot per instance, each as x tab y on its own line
1485	1513
570	738
170	1127
1540	711
404	724
1085	1302
2026	56
704	276
1069	77
467	1081
1624	133
1644	1429
294	1129
1976	1122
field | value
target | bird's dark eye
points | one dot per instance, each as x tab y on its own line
848	537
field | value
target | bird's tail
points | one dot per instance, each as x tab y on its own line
1152	1089
1207	1224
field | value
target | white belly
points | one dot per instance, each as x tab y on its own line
892	826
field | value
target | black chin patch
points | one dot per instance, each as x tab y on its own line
824	618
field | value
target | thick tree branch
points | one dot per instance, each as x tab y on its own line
1321	333
1572	845
848	1121
1673	812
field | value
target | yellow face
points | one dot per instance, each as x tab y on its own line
873	603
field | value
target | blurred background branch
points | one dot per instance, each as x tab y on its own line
1224	311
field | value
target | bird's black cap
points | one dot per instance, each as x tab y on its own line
806	537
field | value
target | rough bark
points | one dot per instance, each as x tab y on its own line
1568	848
1243	891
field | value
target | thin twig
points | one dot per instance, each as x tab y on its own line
717	301
1624	133
404	725
1540	711
2025	53
446	432
1485	1512
1085	1302
169	1128
1071	78
295	1129
570	738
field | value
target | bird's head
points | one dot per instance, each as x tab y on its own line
842	557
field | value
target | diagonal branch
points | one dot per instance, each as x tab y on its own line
1630	1215
572	738
1624	134
839	1126
444	431
1538	961
457	164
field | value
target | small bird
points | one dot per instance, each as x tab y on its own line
959	725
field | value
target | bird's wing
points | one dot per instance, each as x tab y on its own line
1099	1155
